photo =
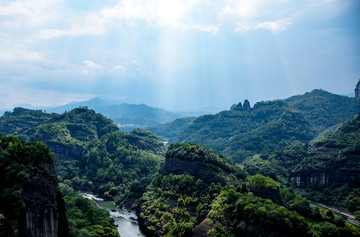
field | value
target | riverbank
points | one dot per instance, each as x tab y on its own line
348	216
127	222
335	209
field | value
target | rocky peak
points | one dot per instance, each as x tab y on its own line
246	105
357	91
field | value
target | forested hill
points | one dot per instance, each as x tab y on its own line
240	132
272	125
91	153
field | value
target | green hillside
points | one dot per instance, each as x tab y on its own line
323	109
170	131
241	132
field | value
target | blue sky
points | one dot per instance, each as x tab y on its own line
176	54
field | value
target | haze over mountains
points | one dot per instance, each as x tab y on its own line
126	116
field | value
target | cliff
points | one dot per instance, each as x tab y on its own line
200	163
31	202
331	161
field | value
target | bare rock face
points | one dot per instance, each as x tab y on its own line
357	91
246	105
45	214
194	168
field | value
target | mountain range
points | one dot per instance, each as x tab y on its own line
126	116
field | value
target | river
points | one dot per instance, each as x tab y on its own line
126	221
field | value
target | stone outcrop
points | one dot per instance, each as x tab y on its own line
65	152
332	161
246	105
357	91
45	214
197	169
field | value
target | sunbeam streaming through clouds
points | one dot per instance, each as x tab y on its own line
179	55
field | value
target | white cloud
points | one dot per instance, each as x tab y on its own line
92	68
274	25
119	68
52	19
206	28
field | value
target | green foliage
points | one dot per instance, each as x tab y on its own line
176	203
266	164
170	131
87	220
323	109
260	182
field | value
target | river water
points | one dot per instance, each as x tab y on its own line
126	221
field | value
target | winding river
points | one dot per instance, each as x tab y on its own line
126	221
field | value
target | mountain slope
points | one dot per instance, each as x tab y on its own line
323	109
241	132
170	131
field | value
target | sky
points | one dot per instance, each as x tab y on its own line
180	55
